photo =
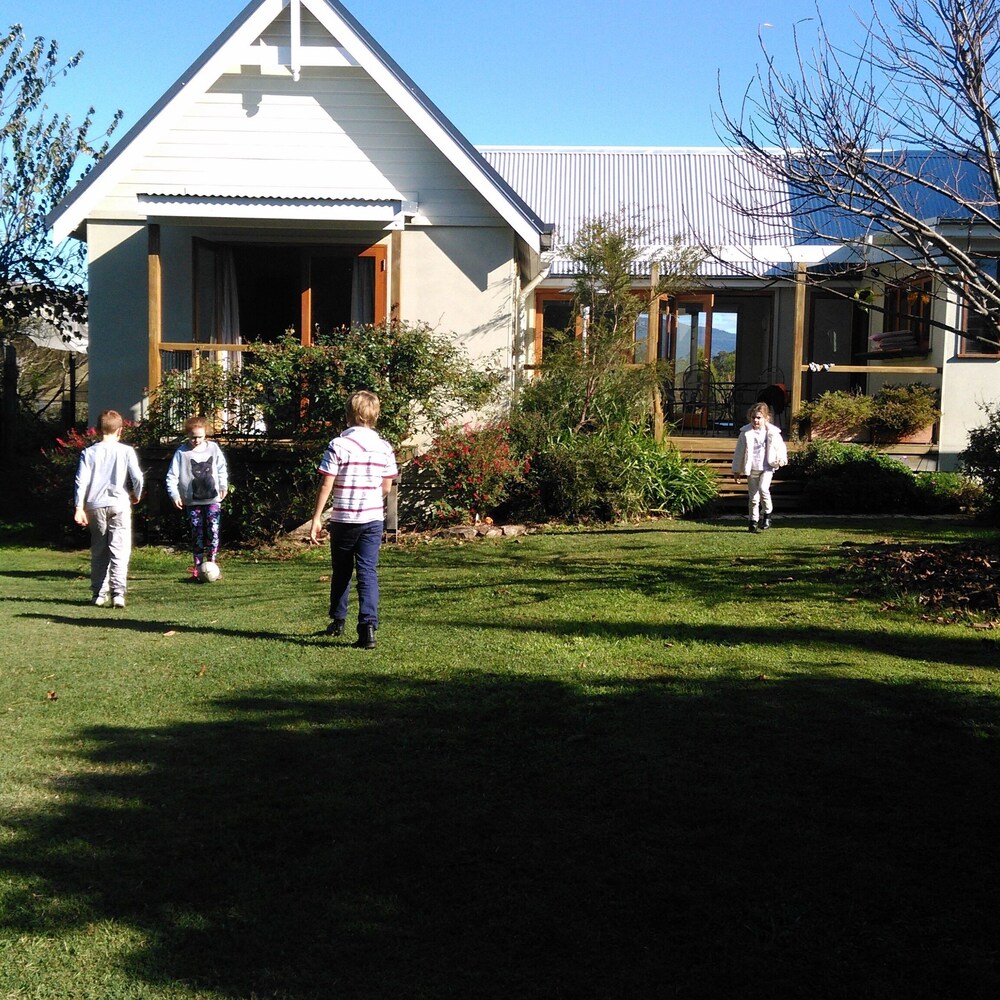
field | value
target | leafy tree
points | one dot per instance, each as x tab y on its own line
589	382
903	128
981	458
42	155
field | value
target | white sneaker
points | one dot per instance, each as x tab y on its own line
100	600
118	601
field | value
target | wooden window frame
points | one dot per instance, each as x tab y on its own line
964	342
918	290
541	297
378	251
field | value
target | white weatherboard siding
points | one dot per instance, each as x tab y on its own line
119	340
968	383
333	135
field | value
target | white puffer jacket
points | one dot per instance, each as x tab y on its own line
775	452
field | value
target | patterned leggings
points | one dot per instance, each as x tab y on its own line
204	520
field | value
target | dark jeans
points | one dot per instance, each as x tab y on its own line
355	546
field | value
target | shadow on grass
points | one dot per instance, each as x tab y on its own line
507	837
112	619
962	648
750	573
44	574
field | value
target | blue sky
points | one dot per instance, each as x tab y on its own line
521	72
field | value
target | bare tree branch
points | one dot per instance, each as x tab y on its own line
890	148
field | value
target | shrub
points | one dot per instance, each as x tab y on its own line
947	493
836	414
613	476
981	458
53	482
467	473
893	412
287	390
898	410
853	479
275	489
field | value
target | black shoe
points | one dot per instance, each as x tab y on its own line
752	527
765	521
336	627
366	637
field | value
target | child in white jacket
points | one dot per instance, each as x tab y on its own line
760	451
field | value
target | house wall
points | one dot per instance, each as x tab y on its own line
459	280
334	134
118	352
966	384
463	281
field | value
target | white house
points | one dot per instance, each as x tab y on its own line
294	177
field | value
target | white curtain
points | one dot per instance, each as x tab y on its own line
363	291
227	308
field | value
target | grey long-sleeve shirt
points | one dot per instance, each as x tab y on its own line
107	473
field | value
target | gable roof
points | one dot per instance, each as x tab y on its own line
356	47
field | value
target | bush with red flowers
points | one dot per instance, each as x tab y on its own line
468	472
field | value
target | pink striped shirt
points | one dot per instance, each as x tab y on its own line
358	460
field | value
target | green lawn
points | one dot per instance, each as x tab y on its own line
672	760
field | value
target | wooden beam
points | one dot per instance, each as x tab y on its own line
798	338
879	369
155	315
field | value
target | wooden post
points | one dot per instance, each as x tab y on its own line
798	338
653	345
155	285
395	271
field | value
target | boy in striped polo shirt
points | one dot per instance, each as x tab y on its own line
358	468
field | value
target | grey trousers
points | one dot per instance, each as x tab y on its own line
110	549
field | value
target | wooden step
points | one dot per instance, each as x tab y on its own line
717	454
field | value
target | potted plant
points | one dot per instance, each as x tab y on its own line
904	413
837	415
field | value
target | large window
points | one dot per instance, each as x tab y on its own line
981	335
553	318
254	294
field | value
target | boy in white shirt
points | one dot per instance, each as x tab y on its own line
358	468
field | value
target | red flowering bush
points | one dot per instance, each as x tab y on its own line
469	471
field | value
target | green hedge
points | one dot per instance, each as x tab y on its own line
854	479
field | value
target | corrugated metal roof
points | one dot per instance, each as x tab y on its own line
666	192
715	197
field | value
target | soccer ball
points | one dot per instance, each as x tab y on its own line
209	572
